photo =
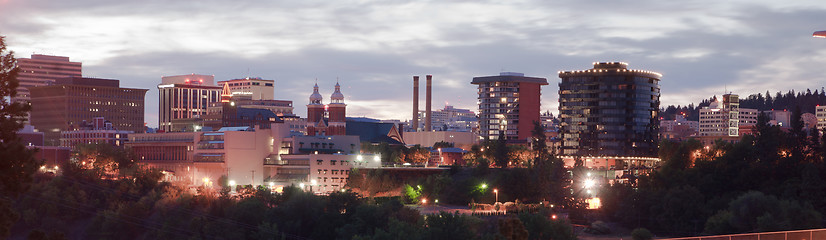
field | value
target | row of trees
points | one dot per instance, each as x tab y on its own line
80	206
768	181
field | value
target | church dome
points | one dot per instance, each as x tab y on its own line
315	97
337	96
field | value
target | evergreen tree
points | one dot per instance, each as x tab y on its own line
540	148
17	164
501	151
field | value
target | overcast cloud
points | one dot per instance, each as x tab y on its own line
375	47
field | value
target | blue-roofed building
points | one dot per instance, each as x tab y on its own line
374	131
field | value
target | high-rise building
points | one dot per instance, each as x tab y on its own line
252	88
508	103
70	101
42	70
185	96
609	112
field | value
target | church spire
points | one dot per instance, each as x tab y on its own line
337	96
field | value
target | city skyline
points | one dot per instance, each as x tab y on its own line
702	48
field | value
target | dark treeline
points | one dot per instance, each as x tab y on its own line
78	205
805	100
767	182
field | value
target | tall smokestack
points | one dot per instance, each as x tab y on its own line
415	125
427	120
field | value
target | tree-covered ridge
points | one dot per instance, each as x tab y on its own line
766	182
805	100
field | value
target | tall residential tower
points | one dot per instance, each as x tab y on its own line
610	112
508	103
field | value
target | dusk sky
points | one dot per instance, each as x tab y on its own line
375	47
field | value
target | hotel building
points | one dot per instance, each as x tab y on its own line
185	97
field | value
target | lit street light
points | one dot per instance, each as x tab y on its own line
589	183
496	192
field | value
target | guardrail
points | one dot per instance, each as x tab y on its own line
811	234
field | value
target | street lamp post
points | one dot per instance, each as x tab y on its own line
496	192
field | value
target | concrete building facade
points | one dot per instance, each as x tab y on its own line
185	96
249	156
251	88
70	101
43	70
449	119
97	131
725	118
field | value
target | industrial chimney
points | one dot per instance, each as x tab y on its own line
427	120
415	125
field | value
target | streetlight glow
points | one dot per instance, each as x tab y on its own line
377	158
484	186
589	183
359	157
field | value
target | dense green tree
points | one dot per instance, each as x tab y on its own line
445	225
443	144
540	227
538	145
17	164
755	211
641	234
499	151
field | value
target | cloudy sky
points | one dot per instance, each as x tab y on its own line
374	48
